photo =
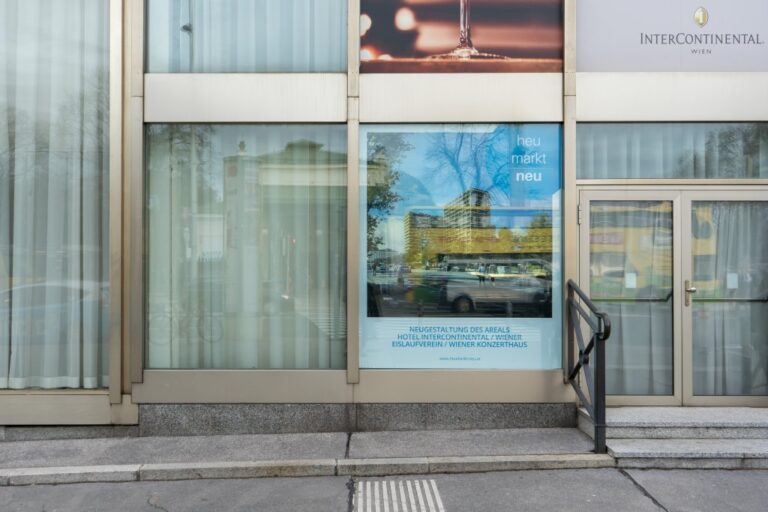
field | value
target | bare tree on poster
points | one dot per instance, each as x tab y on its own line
475	159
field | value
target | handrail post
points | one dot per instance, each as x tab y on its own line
599	398
594	370
571	326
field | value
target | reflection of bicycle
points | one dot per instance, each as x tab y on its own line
211	327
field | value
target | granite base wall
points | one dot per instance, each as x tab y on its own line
230	419
212	419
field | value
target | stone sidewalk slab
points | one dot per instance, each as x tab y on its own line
255	447
165	450
461	443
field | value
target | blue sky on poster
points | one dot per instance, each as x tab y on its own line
446	160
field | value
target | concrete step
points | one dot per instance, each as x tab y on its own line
681	423
690	453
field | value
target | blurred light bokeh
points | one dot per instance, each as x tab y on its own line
420	28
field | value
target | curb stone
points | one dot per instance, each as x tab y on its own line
257	469
298	468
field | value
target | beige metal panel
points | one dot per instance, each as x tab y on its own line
353	245
641	401
243	386
727	401
353	48
55	409
124	413
673	185
569	47
134	233
672	96
569	84
115	197
135	73
242	98
570	215
461	97
688	184
462	386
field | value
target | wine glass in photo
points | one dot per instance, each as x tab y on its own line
466	49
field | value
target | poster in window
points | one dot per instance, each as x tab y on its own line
460	246
456	36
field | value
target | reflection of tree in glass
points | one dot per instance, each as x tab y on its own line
541	223
730	151
74	128
187	152
384	153
475	159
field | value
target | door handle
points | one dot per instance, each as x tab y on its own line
688	291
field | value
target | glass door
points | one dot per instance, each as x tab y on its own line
629	256
725	311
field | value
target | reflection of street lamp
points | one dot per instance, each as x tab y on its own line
424	252
187	29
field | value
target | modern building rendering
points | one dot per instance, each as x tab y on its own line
249	216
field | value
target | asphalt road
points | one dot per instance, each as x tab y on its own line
599	490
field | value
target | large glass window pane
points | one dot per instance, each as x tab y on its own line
630	269
672	151
246	246
54	176
246	36
730	306
461	246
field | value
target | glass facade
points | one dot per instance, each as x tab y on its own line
672	151
246	244
246	36
54	194
181	231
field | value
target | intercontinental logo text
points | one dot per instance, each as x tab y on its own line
683	39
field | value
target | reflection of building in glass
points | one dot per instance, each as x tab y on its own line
472	209
462	233
267	252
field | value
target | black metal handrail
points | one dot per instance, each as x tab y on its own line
594	369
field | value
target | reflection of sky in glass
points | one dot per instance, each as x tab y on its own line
446	160
443	164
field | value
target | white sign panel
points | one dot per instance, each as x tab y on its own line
672	35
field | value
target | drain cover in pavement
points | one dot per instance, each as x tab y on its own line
397	496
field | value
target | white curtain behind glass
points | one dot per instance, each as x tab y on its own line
730	308
241	36
631	280
54	128
247	246
672	150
